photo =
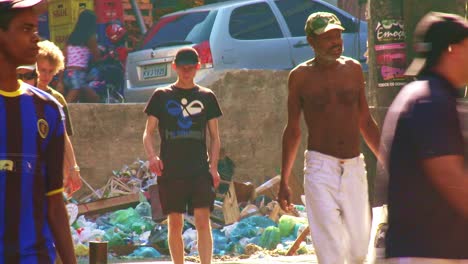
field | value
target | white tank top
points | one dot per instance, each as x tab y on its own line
78	56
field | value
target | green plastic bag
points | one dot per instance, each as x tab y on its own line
288	222
270	237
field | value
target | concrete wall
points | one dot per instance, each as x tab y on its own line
254	106
108	137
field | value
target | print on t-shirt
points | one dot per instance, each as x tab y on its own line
184	112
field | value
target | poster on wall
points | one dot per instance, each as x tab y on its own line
390	53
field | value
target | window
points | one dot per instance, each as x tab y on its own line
255	21
192	27
296	12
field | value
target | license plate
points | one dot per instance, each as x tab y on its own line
154	71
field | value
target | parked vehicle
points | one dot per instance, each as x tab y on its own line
237	34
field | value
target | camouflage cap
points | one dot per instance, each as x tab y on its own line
321	22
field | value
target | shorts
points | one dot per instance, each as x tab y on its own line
183	195
74	79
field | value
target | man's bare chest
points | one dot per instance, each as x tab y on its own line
328	93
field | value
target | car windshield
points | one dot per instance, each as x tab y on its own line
186	28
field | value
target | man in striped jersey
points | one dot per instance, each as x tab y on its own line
32	213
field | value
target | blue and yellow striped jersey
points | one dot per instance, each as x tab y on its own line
31	162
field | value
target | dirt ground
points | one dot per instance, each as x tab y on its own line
302	259
256	259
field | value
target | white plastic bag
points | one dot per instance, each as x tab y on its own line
376	252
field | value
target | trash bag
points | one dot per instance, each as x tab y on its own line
259	221
145	252
227	230
115	237
220	241
270	237
243	229
158	237
81	250
378	231
104	222
125	216
287	223
226	171
189	235
142	225
143	208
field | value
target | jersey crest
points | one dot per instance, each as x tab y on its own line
43	128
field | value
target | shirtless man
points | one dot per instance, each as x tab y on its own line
329	89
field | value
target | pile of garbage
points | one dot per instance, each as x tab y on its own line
131	178
133	228
131	233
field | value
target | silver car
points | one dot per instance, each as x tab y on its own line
238	34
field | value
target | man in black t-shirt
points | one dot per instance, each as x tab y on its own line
422	146
188	177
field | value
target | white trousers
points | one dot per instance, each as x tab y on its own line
337	206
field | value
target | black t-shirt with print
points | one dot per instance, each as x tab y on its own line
183	116
422	123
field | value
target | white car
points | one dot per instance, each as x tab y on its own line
238	34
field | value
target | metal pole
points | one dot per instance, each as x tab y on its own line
97	252
138	16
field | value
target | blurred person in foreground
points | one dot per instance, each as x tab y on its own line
423	150
50	61
33	218
329	90
187	177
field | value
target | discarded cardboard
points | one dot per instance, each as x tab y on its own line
109	204
245	191
230	207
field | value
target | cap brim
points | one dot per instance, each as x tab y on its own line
26	3
328	28
415	67
27	67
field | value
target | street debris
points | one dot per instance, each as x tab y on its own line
253	226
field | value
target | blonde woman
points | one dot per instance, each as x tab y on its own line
50	61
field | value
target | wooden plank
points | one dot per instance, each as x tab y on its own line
109	204
269	188
292	250
231	210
